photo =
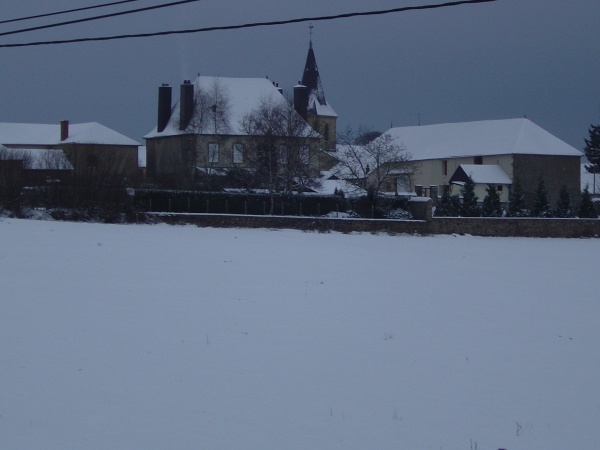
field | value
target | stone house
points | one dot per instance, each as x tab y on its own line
86	150
505	149
206	133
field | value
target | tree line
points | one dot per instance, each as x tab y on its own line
491	206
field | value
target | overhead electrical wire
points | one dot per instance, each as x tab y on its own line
252	25
104	16
68	11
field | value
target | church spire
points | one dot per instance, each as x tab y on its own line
311	78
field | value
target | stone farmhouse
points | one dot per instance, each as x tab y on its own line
207	132
64	152
490	152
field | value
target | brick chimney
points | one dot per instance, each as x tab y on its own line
164	106
301	100
64	130
186	104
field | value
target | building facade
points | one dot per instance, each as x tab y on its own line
517	147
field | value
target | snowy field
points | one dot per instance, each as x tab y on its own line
164	337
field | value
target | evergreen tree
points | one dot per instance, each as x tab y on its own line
541	205
469	207
592	149
455	206
563	207
586	208
444	207
491	203
516	201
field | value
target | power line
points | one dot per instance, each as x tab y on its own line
57	13
104	16
251	25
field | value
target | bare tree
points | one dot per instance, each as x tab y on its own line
280	147
209	125
371	165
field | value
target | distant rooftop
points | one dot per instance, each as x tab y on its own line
49	134
487	137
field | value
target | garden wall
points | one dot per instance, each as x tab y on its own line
504	227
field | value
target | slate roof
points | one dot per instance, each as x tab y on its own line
317	104
487	137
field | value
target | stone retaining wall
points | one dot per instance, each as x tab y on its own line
504	227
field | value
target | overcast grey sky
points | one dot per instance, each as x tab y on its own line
504	59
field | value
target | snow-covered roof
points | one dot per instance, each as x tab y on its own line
485	174
243	96
38	158
329	182
320	108
487	137
49	134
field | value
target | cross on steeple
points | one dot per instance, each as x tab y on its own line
310	33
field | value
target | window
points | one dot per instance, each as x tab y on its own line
304	155
283	155
444	167
478	160
213	153
326	133
238	153
499	187
403	184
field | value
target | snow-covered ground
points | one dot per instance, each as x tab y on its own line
164	337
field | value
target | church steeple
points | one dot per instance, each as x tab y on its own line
310	102
312	80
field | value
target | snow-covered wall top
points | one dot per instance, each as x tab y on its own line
487	137
46	134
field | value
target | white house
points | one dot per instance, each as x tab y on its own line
518	148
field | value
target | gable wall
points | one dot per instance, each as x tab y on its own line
326	126
96	160
556	171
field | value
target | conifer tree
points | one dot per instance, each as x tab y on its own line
444	207
541	205
469	207
516	201
563	206
491	203
592	149
586	208
455	206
